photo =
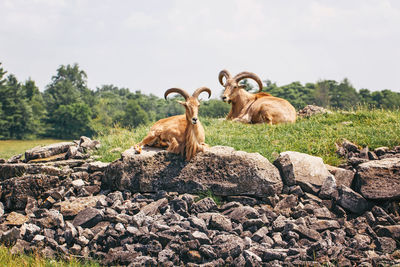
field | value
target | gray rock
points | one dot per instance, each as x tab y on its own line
15	191
329	188
260	234
220	222
219	169
241	214
202	237
351	200
1	209
87	143
322	225
15	159
11	236
228	245
392	231
298	167
47	151
385	244
379	179
303	231
204	205
88	217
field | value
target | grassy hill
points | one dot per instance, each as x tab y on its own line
316	135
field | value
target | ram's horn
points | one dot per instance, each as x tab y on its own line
222	74
250	75
177	90
200	90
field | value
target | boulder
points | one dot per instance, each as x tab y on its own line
69	208
15	191
40	152
379	179
222	170
342	176
351	200
300	168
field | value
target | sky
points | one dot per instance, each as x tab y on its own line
153	45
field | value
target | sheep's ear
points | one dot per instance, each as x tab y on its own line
182	103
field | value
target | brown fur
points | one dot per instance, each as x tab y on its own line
178	133
254	108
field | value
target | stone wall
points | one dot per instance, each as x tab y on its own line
224	207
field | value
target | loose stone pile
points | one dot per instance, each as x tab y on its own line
144	209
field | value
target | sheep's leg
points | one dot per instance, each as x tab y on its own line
149	140
244	118
174	146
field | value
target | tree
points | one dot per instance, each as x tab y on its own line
72	121
322	94
65	95
35	99
134	115
343	95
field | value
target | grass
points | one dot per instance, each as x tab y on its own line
316	135
9	148
34	260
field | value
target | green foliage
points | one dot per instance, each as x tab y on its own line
68	108
68	101
210	194
316	135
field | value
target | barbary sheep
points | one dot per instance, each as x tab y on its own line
181	134
254	108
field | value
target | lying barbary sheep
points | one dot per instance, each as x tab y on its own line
181	134
254	108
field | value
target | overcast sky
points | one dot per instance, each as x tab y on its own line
153	45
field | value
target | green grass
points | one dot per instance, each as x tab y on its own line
34	260
316	135
9	148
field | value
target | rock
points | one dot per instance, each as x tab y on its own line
20	247
202	237
9	170
260	234
154	207
70	208
51	219
298	167
241	214
228	245
349	146
311	110
11	236
15	218
380	151
303	231
204	205
87	143
287	202
385	244
322	225
220	222
47	151
78	183
87	218
1	209
392	231
97	166
351	200
15	191
219	169
329	189
379	179
251	258
342	176
15	159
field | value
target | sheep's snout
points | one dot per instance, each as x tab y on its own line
194	120
224	98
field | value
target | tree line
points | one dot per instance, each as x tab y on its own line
67	108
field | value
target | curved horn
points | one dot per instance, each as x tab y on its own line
177	90
200	90
246	74
222	74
